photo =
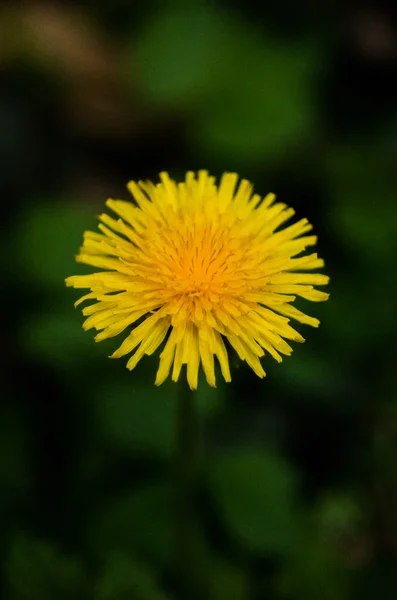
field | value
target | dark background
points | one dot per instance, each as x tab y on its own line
298	494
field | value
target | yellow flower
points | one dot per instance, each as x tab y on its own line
198	264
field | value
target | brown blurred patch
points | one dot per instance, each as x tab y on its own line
374	35
63	39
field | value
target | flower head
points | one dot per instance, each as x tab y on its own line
195	264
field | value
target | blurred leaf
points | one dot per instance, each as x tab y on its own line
313	572
135	415
228	581
311	374
138	415
324	559
359	314
251	96
58	339
125	578
370	231
35	570
262	103
210	400
48	238
338	514
178	53
254	492
138	521
363	211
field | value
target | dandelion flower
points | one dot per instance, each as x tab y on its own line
198	264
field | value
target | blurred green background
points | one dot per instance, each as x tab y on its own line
297	498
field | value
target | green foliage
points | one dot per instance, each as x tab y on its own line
140	521
36	570
126	578
136	415
228	581
337	514
58	339
262	104
309	374
254	493
313	572
363	219
250	93
179	53
208	400
48	237
240	96
319	565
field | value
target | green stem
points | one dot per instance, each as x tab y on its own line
186	462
